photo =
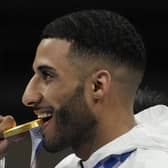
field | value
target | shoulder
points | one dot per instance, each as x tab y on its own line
70	161
147	158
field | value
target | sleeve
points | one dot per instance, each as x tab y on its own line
2	162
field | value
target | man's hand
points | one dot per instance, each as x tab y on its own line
6	122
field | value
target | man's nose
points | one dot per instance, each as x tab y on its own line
30	99
31	96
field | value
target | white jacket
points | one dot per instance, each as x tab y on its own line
149	138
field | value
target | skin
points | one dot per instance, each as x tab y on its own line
86	114
5	123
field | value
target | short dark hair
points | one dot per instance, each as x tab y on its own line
147	97
100	32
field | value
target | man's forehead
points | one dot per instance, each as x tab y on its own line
54	43
51	47
52	52
46	42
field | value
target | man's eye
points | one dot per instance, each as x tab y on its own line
47	75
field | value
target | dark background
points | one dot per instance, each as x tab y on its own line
21	23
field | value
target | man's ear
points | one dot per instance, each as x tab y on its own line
101	83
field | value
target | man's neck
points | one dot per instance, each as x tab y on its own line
103	134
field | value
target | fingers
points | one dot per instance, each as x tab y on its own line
6	122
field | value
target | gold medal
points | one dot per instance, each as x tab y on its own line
22	128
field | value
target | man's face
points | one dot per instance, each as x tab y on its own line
56	91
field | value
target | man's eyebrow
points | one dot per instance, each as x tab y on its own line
46	68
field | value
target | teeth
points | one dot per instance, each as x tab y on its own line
44	115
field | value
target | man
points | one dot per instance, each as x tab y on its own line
87	69
145	98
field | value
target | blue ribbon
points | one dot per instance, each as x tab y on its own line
113	160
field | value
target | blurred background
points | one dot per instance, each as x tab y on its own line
21	23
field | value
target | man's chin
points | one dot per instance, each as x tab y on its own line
54	147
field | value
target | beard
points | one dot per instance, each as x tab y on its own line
76	124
